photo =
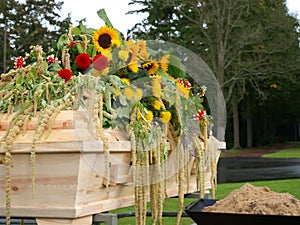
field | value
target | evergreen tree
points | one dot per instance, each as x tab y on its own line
251	45
30	23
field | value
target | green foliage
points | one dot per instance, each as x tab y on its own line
251	46
27	23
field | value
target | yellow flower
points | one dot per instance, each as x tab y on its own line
143	54
182	90
129	93
156	86
126	81
274	85
105	39
139	93
151	66
164	62
133	67
105	71
165	116
123	55
156	104
117	91
108	55
134	50
149	115
98	73
172	78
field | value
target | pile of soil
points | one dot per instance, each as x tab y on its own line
257	200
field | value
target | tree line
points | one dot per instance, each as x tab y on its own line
27	23
252	46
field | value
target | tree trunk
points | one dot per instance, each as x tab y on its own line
249	122
236	125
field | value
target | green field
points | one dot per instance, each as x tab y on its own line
289	185
292	151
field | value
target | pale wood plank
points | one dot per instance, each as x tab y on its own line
64	120
86	220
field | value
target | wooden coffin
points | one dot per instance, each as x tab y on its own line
69	182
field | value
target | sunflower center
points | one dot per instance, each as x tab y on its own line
104	41
148	66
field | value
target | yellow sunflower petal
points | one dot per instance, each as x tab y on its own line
164	62
105	39
151	66
133	67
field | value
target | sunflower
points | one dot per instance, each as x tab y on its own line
105	39
126	81
133	67
143	53
164	62
134	50
151	66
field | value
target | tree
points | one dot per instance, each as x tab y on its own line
30	23
6	16
241	40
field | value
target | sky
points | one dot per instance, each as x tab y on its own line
116	11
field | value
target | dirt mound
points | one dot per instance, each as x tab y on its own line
257	200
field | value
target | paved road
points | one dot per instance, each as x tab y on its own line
256	168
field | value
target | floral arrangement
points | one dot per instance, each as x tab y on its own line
146	92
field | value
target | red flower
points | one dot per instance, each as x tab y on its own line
100	62
52	59
185	83
83	61
200	115
65	74
19	62
73	43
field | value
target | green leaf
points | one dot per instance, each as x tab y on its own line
44	103
102	14
62	41
75	30
85	30
19	80
79	48
123	100
44	65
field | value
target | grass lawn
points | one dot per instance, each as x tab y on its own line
293	151
290	185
